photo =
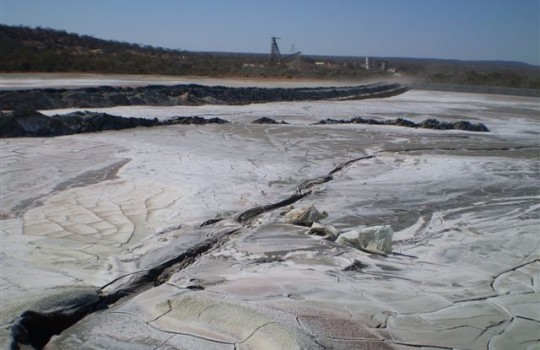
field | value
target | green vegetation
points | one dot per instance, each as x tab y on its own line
46	50
26	49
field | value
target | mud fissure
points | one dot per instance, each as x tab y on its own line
36	328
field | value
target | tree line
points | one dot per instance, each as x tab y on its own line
25	49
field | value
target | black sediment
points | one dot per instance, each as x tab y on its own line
426	124
191	94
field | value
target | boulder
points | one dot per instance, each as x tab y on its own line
329	232
374	239
304	216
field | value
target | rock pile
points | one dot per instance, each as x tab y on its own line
426	124
30	123
34	124
374	239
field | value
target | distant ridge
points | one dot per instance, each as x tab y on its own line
480	64
25	49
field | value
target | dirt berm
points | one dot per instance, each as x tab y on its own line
157	95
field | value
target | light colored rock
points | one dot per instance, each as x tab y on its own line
304	216
374	239
329	232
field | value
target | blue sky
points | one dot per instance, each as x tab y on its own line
454	29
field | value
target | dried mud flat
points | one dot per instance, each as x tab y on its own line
176	237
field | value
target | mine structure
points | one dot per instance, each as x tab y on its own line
275	54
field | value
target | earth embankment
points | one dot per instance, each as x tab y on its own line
190	94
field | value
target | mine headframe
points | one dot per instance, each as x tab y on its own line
275	55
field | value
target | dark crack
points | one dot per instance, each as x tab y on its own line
303	190
164	342
210	222
420	346
527	318
165	313
255	331
510	270
313	338
36	328
502	332
476	299
489	328
256	211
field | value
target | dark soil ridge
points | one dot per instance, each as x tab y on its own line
34	124
426	124
192	94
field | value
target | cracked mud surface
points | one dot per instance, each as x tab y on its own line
101	211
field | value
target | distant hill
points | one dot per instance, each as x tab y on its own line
24	49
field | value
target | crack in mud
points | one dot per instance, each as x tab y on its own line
511	270
256	211
303	190
164	342
421	346
36	328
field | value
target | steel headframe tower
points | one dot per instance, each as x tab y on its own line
274	51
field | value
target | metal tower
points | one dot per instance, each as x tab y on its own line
274	51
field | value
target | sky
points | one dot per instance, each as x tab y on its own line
450	29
